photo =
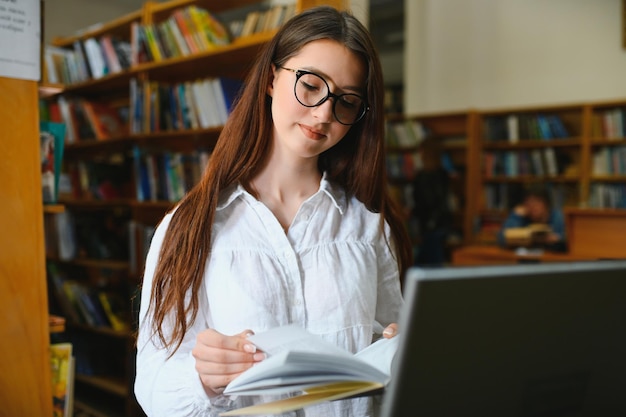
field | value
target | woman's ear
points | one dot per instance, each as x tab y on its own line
270	83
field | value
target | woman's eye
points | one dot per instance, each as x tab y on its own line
348	102
309	87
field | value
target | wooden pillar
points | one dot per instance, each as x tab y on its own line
25	386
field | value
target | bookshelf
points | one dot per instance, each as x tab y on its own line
578	150
454	133
524	146
118	186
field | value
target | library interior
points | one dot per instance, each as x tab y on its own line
505	139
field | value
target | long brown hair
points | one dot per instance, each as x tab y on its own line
357	163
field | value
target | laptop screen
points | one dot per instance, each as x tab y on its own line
523	340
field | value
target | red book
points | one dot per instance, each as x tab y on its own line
105	120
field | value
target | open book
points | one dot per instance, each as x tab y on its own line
301	362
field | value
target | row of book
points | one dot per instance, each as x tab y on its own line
609	161
513	127
102	180
81	304
537	162
88	119
407	134
258	21
609	123
607	196
403	165
503	197
189	30
76	236
167	176
202	103
87	59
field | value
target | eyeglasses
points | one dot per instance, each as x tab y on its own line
311	90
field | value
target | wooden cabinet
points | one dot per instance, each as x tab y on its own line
598	233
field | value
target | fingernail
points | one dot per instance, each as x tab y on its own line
388	332
259	356
249	347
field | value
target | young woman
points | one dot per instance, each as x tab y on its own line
291	224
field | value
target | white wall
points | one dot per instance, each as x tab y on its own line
463	54
64	18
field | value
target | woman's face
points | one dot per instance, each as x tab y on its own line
306	132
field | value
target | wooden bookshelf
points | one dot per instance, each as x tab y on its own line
454	133
591	138
121	155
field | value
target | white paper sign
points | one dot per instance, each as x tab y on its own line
20	37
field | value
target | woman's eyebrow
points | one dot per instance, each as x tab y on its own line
355	89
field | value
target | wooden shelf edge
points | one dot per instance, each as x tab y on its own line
49	90
56	324
53	208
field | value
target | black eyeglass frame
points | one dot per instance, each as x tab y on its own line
299	73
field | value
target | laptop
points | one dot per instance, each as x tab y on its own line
512	341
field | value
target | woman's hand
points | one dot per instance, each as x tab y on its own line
220	358
390	331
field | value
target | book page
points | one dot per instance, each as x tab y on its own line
313	396
380	354
295	339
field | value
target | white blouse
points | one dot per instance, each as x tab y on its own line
332	273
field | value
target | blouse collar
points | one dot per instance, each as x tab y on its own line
336	194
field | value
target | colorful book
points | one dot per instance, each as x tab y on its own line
105	120
51	140
62	370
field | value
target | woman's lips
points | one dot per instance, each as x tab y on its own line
311	133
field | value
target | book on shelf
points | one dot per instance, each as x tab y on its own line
609	161
51	141
80	126
188	30
537	162
62	371
315	370
167	176
98	67
86	59
609	123
115	309
516	127
59	300
105	120
604	196
82	304
60	239
202	103
408	133
258	21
